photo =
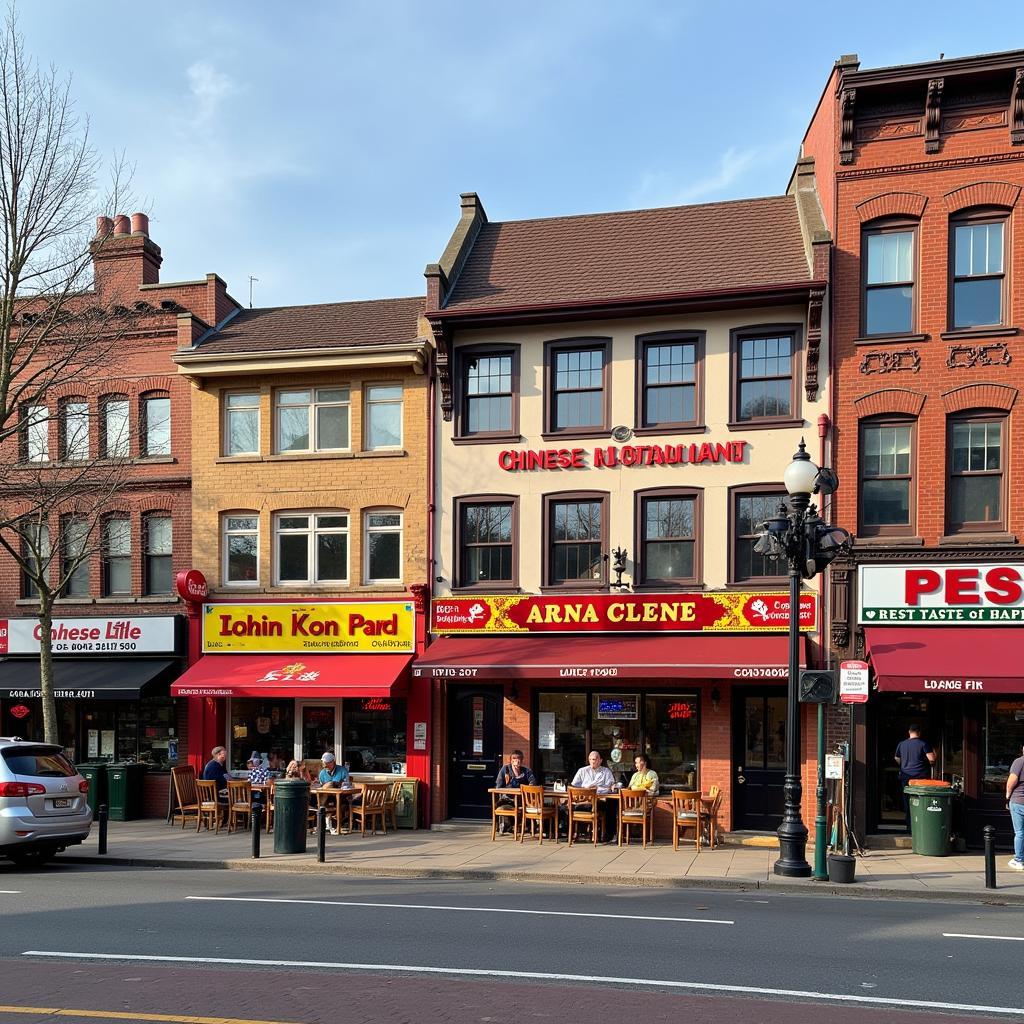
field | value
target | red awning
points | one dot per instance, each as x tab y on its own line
946	659
294	675
569	658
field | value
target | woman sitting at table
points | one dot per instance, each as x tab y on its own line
258	775
644	777
295	770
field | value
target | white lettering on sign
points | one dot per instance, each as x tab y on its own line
853	682
773	672
958	685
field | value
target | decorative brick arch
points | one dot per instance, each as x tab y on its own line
892	204
982	193
340	500
372	499
979	396
154	383
155	503
889	402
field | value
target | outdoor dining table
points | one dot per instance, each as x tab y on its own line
341	798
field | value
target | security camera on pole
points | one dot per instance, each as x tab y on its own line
808	544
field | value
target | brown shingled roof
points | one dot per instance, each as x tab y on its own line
743	244
328	325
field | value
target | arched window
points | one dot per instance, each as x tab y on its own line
157	538
74	429
888	275
155	424
115	436
976	482
117	554
886	469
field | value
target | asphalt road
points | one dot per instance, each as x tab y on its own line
203	945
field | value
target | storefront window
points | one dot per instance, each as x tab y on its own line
670	738
374	734
615	730
317	731
1004	736
561	736
263	725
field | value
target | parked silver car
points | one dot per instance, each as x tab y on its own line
43	806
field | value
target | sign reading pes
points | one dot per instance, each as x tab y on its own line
135	634
707	612
328	627
969	594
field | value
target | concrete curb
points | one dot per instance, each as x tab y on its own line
809	888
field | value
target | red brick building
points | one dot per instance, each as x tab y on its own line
920	170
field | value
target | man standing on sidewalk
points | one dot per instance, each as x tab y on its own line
915	758
1015	805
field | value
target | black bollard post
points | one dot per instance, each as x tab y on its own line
101	818
321	834
257	817
989	833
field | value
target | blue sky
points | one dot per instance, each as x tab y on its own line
321	146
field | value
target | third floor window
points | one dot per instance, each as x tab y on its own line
888	281
578	388
156	425
488	393
977	274
886	480
114	435
975	494
765	386
242	423
669	388
312	420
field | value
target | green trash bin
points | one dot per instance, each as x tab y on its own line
931	814
291	808
124	791
95	773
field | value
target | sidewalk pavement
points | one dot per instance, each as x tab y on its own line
466	851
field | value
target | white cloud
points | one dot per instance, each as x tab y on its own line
209	88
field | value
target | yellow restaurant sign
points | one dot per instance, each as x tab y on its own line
330	627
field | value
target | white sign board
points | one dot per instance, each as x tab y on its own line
419	735
970	594
133	634
853	682
833	766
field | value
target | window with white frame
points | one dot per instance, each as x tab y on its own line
311	547
75	430
383	416
156	425
157	567
242	423
312	420
241	549
383	557
114	432
36	428
117	556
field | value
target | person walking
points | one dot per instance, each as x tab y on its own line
1015	805
915	758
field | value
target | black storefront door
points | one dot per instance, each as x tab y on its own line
758	757
474	744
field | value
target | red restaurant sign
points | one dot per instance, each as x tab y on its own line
611	456
708	612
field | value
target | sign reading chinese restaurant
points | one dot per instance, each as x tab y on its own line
133	634
966	593
314	627
611	456
707	612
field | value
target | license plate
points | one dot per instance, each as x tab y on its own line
62	802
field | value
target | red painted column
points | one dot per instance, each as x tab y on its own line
418	710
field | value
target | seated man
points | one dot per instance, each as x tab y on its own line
334	776
215	771
512	776
594	775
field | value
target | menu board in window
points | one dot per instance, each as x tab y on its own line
618	707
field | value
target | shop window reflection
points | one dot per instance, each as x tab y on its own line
1004	734
261	725
562	736
374	734
671	739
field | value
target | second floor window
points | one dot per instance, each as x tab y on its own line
975	498
242	423
157	569
669	383
312	420
749	511
114	436
35	550
578	388
383	416
117	556
885	477
977	274
75	430
74	563
36	433
485	544
383	553
487	393
765	384
888	275
668	539
576	541
156	425
241	549
311	547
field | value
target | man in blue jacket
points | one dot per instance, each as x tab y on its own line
512	776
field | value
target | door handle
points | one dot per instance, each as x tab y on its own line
740	779
476	767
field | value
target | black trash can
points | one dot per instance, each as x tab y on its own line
291	809
95	773
124	790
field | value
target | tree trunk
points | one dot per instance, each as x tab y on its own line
51	732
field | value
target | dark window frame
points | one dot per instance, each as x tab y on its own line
891	225
735	493
642	579
548	502
459	504
105	556
977	416
461	433
736	337
887	530
144	399
551	349
147	555
973	217
645	341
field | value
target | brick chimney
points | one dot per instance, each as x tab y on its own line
124	256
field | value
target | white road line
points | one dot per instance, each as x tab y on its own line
967	935
10	892
469	972
472	910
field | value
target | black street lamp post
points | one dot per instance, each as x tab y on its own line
800	536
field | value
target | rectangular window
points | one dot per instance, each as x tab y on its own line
115	434
1003	720
36	426
242	424
117	556
885	477
669	383
35	550
74	568
978	274
374	734
765	382
241	549
562	734
668	539
750	510
75	442
158	555
671	739
889	282
577	399
311	547
487	393
383	547
976	475
486	544
266	726
383	416
156	426
576	542
312	420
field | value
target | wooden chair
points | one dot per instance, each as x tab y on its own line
185	796
634	811
583	810
685	814
268	805
500	810
392	802
537	809
239	803
710	812
209	804
372	808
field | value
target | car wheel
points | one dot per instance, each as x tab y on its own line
31	858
